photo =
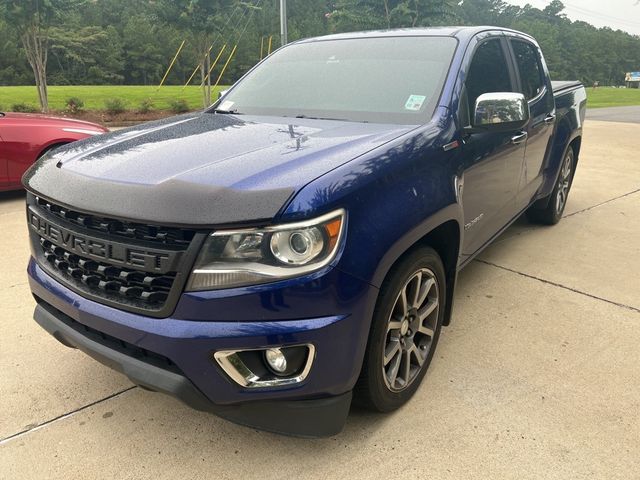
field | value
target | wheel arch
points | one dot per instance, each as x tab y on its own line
444	235
576	144
445	240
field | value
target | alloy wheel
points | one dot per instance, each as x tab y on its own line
564	182
410	330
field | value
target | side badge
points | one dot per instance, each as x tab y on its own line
473	222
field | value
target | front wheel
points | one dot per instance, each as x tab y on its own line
404	333
555	203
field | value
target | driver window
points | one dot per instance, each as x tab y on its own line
488	72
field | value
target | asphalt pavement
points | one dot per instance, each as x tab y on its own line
537	377
615	114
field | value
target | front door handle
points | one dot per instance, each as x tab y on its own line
550	119
520	138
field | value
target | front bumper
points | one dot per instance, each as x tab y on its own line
305	418
175	356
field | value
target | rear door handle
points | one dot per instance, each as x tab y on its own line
550	119
518	139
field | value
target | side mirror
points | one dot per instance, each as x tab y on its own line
222	93
500	112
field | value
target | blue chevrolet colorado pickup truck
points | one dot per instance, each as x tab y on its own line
296	246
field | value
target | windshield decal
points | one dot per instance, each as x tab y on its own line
415	102
226	105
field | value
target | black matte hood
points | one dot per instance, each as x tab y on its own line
201	169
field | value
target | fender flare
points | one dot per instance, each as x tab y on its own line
452	212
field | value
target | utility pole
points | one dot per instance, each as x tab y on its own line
283	22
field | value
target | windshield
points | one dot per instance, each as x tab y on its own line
380	80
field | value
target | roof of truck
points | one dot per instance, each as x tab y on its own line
457	32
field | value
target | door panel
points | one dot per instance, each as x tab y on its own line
492	169
534	85
538	143
492	163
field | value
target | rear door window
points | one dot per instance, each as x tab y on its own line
531	77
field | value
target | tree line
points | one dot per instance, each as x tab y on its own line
132	42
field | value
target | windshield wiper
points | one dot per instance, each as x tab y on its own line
227	112
323	118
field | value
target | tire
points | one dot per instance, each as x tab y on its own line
549	210
403	333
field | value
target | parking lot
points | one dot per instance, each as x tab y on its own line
537	377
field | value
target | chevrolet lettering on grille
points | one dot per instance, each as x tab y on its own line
102	250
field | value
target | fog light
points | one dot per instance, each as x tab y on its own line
268	367
276	360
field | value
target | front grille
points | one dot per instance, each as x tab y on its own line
119	228
132	266
106	279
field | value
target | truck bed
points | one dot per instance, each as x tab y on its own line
564	85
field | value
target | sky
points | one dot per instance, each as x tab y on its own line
617	14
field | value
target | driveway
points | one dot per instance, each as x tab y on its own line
615	114
537	377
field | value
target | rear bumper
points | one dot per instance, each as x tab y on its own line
306	418
175	356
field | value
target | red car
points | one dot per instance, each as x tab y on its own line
24	138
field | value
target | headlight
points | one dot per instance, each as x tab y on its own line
253	256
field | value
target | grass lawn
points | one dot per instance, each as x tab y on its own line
612	97
95	96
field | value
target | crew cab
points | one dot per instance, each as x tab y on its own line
26	137
296	246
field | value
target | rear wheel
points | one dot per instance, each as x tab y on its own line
555	203
404	333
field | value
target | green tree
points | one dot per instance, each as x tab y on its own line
14	68
133	41
144	55
481	12
352	15
32	20
202	22
91	55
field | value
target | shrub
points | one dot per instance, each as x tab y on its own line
146	106
114	106
179	105
74	105
23	108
